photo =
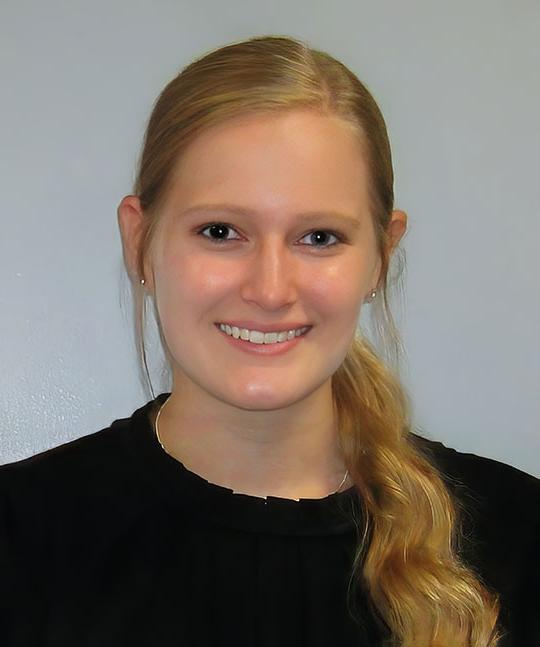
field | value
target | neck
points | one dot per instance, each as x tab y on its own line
290	453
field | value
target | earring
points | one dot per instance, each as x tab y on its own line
371	296
142	281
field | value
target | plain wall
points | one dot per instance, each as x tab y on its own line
458	84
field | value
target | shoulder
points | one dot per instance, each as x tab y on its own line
485	482
499	511
95	474
83	457
499	501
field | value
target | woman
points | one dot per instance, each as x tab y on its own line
277	495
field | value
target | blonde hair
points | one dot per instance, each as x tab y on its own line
407	559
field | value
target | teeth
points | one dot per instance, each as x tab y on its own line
258	337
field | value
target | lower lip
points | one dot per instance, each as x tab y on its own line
278	348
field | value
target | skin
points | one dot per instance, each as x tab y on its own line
260	425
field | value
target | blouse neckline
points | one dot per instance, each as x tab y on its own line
218	505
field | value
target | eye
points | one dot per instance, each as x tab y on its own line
321	235
220	229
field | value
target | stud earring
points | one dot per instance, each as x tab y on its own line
142	281
371	296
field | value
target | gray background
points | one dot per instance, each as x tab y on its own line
458	84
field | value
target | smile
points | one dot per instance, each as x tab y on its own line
258	337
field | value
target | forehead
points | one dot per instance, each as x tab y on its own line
300	160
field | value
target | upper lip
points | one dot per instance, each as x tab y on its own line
253	325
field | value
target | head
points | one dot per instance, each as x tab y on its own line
297	148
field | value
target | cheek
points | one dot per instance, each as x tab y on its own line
190	287
187	277
343	284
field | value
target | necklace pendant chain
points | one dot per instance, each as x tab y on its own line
165	450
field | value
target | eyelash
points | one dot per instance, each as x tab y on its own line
340	238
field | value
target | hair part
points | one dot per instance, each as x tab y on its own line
407	560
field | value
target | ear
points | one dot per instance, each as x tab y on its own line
396	228
131	222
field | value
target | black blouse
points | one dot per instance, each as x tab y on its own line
109	541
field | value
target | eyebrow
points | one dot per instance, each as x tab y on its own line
303	216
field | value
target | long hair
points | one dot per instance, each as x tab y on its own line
407	559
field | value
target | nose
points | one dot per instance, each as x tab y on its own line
270	276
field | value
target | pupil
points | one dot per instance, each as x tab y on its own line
318	235
220	228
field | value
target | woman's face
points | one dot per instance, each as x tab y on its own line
296	247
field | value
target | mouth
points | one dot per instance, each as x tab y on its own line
254	341
260	337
